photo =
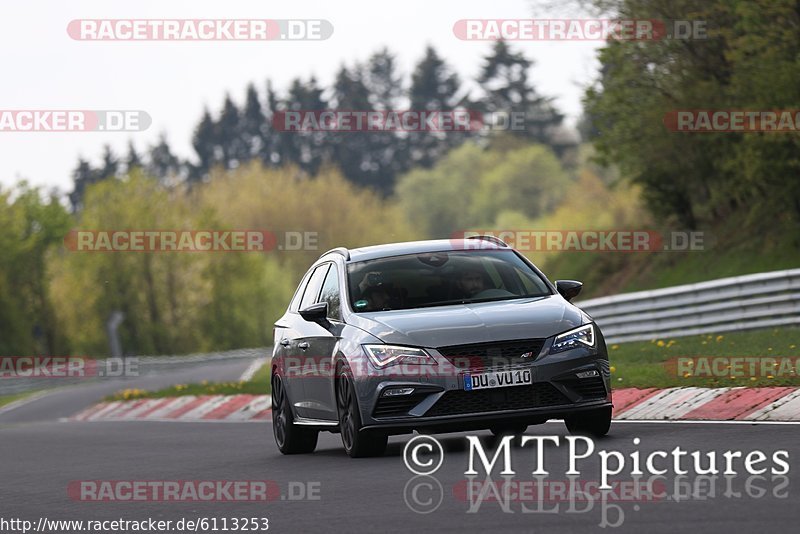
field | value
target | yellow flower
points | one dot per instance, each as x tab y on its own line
615	347
613	369
752	379
660	343
720	338
770	377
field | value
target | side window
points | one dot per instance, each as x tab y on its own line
314	283
330	294
298	294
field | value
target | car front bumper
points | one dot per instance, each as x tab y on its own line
440	403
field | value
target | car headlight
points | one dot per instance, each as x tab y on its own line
385	355
583	335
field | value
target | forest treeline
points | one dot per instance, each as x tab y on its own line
362	188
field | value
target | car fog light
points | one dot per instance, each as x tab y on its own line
587	374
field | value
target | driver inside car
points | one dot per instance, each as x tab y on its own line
471	282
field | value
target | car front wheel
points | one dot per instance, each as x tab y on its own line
358	443
595	423
290	438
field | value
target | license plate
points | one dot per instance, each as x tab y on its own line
497	379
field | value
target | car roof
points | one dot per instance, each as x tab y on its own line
418	247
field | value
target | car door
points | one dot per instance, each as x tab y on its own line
322	344
295	344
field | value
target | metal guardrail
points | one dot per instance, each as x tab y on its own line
737	303
144	365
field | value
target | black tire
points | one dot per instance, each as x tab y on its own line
358	443
508	430
595	423
290	438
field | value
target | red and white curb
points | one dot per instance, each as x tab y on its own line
240	408
708	404
631	404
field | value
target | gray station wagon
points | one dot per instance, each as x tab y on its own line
433	336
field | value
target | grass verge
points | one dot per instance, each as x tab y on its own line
727	252
8	399
258	385
768	357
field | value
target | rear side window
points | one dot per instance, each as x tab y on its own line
314	284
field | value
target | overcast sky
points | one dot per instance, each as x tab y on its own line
172	81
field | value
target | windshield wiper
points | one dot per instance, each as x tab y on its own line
487	299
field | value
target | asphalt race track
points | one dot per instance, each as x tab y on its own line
327	491
67	401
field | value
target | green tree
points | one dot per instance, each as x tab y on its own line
204	141
750	60
234	152
434	87
507	89
253	125
33	226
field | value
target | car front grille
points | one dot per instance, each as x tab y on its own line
459	402
496	354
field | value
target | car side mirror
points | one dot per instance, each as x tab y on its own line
316	313
569	289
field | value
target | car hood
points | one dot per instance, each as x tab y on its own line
441	326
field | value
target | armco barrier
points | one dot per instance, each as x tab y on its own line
737	303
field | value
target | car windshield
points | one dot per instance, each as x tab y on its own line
441	278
